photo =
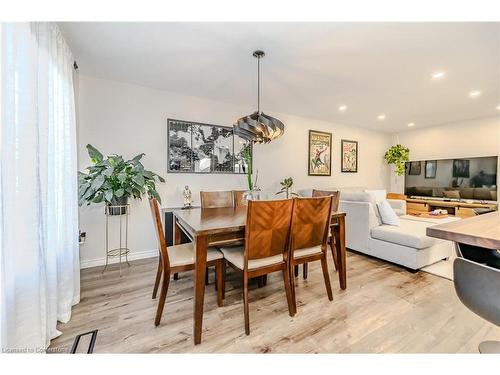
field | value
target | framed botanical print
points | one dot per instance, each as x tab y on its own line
415	168
349	157
430	168
320	153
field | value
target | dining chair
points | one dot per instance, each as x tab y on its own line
216	199
331	237
238	197
311	220
267	235
179	258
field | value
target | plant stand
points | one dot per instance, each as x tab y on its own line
121	251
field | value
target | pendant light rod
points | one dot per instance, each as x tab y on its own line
258	54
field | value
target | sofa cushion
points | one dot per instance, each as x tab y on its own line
361	196
483	194
410	233
379	195
387	214
453	194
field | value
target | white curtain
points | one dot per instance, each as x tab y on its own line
39	262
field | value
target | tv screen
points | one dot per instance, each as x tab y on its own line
465	179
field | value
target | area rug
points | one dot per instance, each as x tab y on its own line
443	268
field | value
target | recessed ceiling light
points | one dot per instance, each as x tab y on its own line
410	124
381	117
474	94
498	107
438	75
342	108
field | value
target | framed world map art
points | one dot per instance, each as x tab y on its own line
193	147
320	153
349	158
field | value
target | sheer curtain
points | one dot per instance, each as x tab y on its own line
39	261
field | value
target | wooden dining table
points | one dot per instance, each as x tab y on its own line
215	226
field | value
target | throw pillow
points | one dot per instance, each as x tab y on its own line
387	214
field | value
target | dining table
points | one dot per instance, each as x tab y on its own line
217	226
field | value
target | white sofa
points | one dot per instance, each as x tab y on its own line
406	245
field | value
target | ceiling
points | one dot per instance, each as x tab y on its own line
310	69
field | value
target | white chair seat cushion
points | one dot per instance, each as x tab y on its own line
235	255
183	255
306	252
410	233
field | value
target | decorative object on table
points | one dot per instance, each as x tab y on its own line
193	147
349	157
82	237
286	187
253	192
258	127
187	197
430	168
320	153
398	155
415	168
113	180
461	168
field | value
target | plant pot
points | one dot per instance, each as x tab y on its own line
122	201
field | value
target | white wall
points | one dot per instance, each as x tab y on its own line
464	139
128	119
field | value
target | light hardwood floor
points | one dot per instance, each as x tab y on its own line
385	309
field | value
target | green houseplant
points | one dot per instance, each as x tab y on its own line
286	187
398	155
113	180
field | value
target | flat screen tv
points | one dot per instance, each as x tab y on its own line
454	179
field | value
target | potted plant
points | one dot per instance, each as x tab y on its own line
286	187
113	180
398	155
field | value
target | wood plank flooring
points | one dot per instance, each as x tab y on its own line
385	309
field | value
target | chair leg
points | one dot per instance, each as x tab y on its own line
259	282
334	252
219	266
206	276
245	305
176	276
264	280
159	271
296	270
224	266
304	271
324	266
288	290
163	296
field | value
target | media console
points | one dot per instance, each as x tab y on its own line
457	208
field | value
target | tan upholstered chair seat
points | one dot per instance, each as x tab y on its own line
306	252
235	256
183	255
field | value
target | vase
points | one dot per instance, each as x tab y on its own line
250	195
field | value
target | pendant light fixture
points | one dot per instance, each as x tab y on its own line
258	127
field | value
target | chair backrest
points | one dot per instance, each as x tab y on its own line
160	236
310	222
216	199
238	197
326	193
267	229
478	287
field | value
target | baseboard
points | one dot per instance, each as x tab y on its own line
132	256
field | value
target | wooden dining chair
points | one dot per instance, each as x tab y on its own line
179	258
216	199
331	237
310	226
238	197
267	235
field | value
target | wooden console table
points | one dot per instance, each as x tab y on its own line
455	208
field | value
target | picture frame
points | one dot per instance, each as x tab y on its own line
349	156
430	168
199	148
319	157
461	168
415	168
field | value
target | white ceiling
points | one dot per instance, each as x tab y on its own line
310	69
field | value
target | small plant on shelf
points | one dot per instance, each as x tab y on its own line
398	155
286	187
